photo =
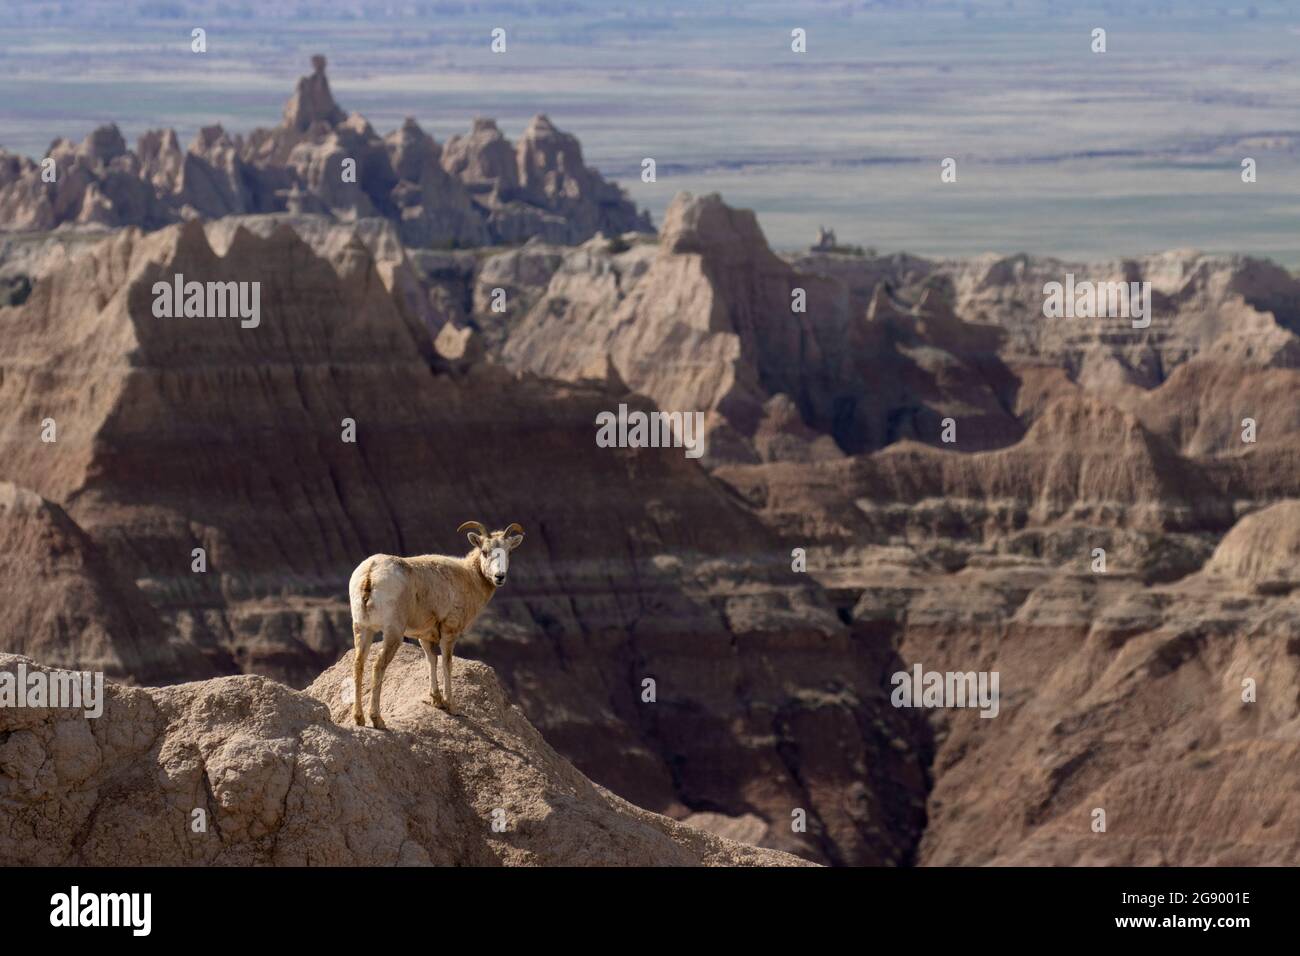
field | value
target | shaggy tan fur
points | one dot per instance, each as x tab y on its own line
433	598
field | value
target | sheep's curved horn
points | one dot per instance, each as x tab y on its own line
473	526
516	526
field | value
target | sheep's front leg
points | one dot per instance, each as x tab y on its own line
392	641
446	672
431	655
360	647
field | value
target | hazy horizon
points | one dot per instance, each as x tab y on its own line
1060	151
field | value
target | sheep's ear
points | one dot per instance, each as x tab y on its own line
514	541
475	539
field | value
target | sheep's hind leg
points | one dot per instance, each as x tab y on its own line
392	641
446	674
361	638
431	655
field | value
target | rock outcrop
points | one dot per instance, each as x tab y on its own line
69	606
1171	709
711	320
1262	549
95	183
312	101
480	190
872	351
278	777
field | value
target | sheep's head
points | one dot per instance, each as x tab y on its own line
493	549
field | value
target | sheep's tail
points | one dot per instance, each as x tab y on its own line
366	590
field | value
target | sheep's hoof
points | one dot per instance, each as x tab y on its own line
378	722
359	717
437	701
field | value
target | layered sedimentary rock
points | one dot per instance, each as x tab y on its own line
178	434
68	605
1145	672
874	350
430	205
1143	726
277	777
95	183
1263	549
1099	528
481	190
1196	299
1077	504
711	320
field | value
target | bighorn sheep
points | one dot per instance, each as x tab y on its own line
432	598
